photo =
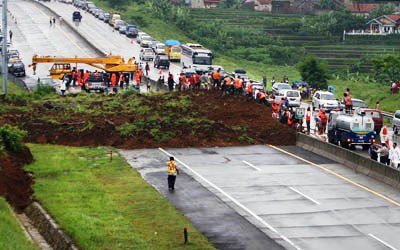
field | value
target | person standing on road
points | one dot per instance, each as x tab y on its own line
147	68
54	21
172	172
383	151
170	82
308	120
217	79
121	81
273	80
11	35
51	21
264	82
394	156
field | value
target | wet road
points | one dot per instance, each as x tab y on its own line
33	35
302	203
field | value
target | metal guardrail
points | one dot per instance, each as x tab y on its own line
387	114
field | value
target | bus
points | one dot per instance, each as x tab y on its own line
197	57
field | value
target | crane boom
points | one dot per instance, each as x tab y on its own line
109	64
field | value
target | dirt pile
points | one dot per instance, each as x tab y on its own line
165	120
15	183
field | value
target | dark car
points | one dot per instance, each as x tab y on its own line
131	31
17	69
76	16
161	61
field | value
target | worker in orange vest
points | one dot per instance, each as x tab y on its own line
250	90
217	79
121	81
262	97
238	84
227	87
274	106
79	78
113	79
324	121
172	172
308	120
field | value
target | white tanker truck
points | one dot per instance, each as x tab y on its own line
349	130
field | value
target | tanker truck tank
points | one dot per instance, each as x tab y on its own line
349	130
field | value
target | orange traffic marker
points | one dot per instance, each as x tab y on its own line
131	41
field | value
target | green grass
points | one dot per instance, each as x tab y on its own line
106	205
369	92
11	235
13	88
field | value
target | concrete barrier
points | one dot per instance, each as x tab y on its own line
348	158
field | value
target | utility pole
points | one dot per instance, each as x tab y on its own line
4	68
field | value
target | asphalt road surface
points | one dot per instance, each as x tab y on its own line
299	199
32	34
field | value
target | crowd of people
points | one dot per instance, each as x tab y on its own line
385	155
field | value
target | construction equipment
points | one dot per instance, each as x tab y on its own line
62	65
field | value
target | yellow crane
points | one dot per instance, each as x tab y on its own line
62	65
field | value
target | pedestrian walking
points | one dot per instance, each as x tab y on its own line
147	68
11	35
170	82
383	152
51	21
172	172
394	156
308	120
54	21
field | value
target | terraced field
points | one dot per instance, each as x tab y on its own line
340	55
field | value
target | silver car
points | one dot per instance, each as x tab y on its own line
146	54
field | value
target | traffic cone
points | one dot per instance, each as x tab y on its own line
160	71
113	30
131	41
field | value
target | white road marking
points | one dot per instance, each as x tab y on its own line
381	241
251	165
305	196
258	218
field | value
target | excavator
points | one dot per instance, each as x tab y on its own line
62	65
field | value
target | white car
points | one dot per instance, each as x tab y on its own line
293	96
146	54
146	41
140	35
159	48
324	99
278	86
119	23
396	122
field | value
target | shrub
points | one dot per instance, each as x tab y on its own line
12	137
42	91
134	128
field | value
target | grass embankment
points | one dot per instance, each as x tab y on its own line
13	88
106	205
11	235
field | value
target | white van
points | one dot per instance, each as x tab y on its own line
293	96
396	122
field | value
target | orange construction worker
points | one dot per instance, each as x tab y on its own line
250	89
217	78
262	97
324	121
289	118
172	172
113	80
79	78
121	81
238	83
274	106
85	77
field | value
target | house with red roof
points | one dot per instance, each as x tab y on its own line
362	8
386	24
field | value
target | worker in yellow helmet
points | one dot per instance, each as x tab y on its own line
172	172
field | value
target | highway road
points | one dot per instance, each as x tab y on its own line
32	34
299	199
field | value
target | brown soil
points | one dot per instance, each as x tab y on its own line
15	183
227	113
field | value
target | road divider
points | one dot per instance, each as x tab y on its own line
348	158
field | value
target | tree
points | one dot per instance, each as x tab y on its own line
386	68
386	9
314	71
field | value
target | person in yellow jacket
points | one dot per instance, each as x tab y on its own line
172	172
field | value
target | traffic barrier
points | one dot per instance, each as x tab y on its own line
350	159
